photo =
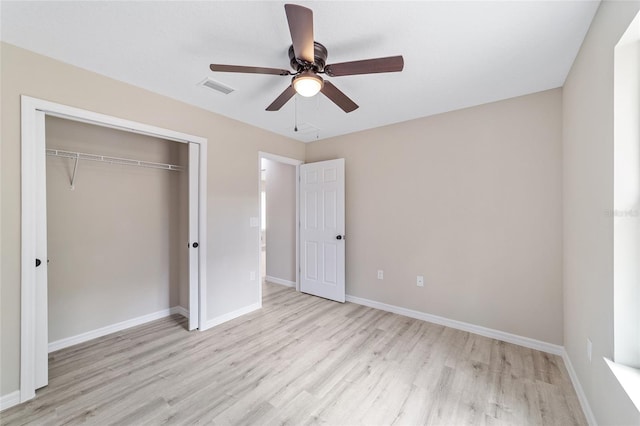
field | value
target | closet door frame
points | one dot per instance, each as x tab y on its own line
33	223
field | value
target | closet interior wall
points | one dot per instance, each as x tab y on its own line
117	242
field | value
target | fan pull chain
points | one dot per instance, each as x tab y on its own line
295	116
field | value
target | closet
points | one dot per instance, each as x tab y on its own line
117	228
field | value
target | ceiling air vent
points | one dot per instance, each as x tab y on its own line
216	85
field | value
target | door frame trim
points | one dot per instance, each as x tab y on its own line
31	147
296	163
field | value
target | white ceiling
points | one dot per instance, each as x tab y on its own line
457	54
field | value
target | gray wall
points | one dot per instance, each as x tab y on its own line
470	199
280	188
588	229
114	240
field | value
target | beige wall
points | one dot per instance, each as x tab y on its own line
114	240
588	196
470	199
232	176
280	190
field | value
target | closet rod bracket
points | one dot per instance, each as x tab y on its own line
73	176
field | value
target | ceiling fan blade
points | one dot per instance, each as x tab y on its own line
301	28
338	98
282	99
367	66
250	70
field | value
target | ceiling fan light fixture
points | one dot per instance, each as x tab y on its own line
307	84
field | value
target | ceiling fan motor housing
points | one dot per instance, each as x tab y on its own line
319	61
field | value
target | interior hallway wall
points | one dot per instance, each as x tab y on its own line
280	191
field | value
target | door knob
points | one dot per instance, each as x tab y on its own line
195	245
38	262
339	237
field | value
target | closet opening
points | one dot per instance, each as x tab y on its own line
117	230
113	229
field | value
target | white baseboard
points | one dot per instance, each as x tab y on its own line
464	326
9	400
494	334
232	315
582	397
113	328
280	281
180	311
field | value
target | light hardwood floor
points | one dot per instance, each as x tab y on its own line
302	360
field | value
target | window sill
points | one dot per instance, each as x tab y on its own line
629	379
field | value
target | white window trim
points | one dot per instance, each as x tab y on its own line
625	215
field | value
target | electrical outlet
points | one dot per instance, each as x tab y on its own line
420	281
380	274
589	349
252	275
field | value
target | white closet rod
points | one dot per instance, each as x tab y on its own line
112	160
105	159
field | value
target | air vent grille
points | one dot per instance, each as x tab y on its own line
216	85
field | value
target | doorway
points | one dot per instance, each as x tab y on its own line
34	340
278	237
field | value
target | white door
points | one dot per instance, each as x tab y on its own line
194	243
322	229
40	262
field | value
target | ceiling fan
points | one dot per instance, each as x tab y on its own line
308	60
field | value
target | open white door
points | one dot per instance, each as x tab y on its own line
322	229
194	231
40	262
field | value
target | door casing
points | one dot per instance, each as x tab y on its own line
33	225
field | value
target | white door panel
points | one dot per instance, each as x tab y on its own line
41	377
322	229
194	276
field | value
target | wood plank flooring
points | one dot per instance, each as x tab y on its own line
302	360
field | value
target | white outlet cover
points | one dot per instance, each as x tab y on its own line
254	222
380	274
420	281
